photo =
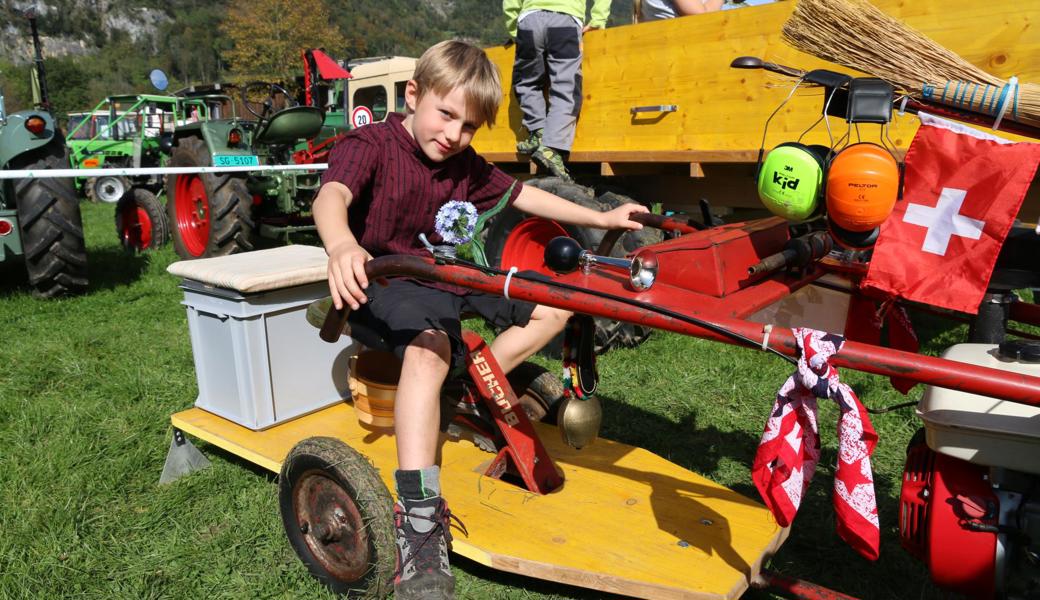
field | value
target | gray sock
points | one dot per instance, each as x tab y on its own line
419	491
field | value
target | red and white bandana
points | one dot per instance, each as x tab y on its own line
790	446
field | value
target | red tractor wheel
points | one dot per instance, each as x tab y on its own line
210	213
338	516
524	248
141	221
192	213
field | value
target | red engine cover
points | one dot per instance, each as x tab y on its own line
940	494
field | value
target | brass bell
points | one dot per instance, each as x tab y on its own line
579	421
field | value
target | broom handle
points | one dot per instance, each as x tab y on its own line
915	105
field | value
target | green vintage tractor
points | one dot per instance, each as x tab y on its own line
214	214
130	131
40	221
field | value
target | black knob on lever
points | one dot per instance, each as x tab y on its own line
563	254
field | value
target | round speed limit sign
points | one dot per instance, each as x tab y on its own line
360	117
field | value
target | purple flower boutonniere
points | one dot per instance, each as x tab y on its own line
456	221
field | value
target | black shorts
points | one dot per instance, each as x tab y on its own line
397	312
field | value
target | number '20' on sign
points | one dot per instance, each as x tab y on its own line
360	117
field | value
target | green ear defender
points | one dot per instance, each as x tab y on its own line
790	180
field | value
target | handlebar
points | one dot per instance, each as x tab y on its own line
661	222
753	62
864	357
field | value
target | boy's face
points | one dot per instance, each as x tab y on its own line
440	124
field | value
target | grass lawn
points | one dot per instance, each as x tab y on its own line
87	385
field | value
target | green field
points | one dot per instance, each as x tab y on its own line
87	385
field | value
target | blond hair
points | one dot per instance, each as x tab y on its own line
453	64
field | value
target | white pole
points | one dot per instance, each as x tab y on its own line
57	173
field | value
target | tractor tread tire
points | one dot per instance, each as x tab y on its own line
51	226
230	204
627	334
502	225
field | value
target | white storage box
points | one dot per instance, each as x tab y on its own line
258	361
979	429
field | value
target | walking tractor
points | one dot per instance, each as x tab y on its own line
217	214
542	496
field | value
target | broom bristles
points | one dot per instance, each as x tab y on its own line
855	34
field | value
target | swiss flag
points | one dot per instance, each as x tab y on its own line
962	191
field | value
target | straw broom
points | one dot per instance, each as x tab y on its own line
857	35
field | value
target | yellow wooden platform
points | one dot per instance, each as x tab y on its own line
625	521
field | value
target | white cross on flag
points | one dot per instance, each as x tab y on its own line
961	193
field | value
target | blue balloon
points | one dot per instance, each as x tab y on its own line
158	79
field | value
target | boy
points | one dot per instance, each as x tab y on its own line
548	47
384	185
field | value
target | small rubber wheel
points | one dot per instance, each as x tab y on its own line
537	390
338	516
141	222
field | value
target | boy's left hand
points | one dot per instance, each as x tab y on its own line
620	217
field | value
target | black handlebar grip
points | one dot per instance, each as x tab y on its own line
335	321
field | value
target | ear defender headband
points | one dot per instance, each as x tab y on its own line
791	178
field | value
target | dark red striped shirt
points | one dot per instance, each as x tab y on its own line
397	190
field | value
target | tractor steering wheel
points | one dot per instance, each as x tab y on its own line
266	106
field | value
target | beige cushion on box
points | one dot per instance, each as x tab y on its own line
258	271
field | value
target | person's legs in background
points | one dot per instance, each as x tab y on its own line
529	80
563	57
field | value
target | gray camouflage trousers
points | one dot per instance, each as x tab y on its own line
548	46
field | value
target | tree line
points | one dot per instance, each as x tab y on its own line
235	40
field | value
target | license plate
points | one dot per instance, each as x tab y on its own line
235	161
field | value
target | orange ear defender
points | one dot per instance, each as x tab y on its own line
862	188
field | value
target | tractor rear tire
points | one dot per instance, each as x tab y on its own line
629	335
210	214
141	222
338	516
51	225
108	188
499	255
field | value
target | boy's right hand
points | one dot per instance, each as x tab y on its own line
347	278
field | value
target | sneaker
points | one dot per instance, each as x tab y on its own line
423	542
533	141
553	161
